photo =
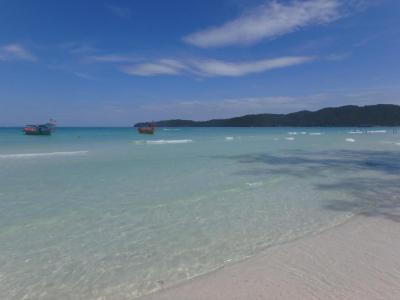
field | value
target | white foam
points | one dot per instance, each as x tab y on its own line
376	131
253	184
160	142
315	133
289	138
30	155
350	140
171	129
355	132
229	138
292	133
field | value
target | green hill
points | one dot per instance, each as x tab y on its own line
350	115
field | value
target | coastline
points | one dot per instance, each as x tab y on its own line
355	260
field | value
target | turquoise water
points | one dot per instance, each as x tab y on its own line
105	213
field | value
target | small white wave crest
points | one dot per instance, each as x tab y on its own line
350	140
376	131
48	154
254	184
160	142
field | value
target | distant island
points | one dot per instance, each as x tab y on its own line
349	115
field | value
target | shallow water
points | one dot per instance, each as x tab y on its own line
105	213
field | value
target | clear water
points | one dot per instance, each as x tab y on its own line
106	213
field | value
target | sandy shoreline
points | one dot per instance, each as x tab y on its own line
357	260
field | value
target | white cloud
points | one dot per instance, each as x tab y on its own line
232	107
112	58
15	52
78	47
161	67
90	53
268	21
221	68
210	67
204	109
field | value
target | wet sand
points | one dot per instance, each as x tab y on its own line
356	260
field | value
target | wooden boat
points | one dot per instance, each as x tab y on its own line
43	129
37	130
148	129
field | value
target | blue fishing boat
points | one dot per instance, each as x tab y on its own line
42	129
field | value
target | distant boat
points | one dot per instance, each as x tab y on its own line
42	129
149	129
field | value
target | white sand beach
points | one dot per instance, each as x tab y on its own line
356	260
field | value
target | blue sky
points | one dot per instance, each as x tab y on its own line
114	63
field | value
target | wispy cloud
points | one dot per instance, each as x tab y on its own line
112	58
222	68
121	12
339	56
268	21
360	5
160	67
16	52
366	40
232	107
212	67
72	69
202	109
78	48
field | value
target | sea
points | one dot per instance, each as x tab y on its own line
107	213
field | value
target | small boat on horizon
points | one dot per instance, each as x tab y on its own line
149	129
41	129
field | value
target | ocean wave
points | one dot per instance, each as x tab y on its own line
315	133
355	132
289	138
350	140
30	155
160	142
376	131
254	184
229	138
